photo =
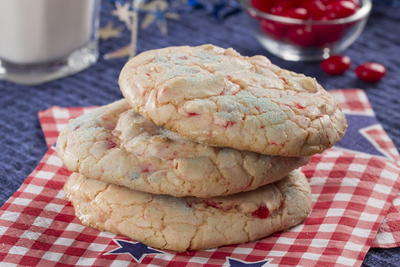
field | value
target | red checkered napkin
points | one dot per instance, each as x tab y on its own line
352	193
38	226
355	101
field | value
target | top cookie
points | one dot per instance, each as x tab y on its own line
218	97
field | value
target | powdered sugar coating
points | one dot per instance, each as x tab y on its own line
182	224
116	145
217	97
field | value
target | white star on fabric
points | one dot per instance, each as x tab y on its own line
123	13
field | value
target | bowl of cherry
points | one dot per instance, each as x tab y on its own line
305	30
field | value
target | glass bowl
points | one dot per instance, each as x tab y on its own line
306	40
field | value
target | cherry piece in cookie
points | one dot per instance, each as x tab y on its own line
111	144
370	71
336	65
262	212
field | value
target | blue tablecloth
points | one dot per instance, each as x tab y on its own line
21	139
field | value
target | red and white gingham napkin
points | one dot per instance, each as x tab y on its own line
355	101
352	193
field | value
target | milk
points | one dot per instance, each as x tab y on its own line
37	31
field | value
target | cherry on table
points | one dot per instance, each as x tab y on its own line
336	64
370	71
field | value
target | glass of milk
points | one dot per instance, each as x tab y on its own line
43	40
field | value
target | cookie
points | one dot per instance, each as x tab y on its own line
182	224
218	97
116	145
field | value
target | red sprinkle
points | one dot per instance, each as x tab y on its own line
229	124
111	144
298	106
145	170
262	212
192	114
211	203
284	80
276	144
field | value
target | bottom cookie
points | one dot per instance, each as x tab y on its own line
182	224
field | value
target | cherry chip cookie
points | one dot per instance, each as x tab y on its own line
182	224
218	97
116	145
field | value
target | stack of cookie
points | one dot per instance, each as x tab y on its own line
203	150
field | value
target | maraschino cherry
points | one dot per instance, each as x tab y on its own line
341	9
296	13
320	10
370	71
305	9
302	36
336	64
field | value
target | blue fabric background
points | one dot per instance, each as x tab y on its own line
21	139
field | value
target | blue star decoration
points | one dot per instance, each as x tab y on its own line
225	8
240	263
353	140
136	250
219	9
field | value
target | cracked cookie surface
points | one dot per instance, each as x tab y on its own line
116	145
182	224
218	97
